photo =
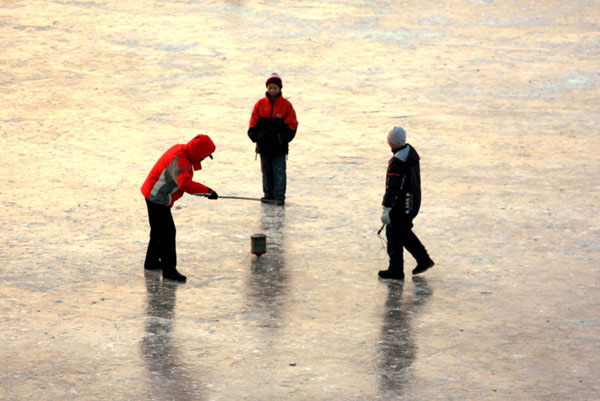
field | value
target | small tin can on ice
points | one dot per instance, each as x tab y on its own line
258	244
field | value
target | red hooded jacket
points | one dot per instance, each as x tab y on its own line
172	174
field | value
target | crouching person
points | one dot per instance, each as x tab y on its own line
170	177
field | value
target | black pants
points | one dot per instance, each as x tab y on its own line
399	236
161	248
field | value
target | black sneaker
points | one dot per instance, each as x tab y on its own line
391	274
174	275
267	199
423	267
279	202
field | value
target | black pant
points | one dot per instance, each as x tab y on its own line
161	248
399	236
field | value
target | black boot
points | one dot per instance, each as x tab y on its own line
391	274
422	267
173	274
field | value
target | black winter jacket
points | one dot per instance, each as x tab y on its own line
403	184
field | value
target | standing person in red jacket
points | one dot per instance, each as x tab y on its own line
170	177
272	127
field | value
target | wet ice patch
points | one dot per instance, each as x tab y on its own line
86	4
132	43
506	22
434	20
580	80
402	37
30	27
167	47
161	117
177	47
572	80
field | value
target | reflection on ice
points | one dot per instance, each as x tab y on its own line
397	348
267	283
168	377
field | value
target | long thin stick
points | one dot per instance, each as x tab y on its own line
381	229
228	197
238	197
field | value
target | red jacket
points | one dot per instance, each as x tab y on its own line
272	125
172	174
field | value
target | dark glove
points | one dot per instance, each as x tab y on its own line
213	195
253	134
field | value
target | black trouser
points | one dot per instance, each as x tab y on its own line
399	236
161	248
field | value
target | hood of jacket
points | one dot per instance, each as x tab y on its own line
406	154
198	149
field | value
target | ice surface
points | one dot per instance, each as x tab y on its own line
499	98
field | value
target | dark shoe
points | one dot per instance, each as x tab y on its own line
423	267
278	202
391	274
152	267
174	275
267	199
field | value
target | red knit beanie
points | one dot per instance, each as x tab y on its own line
274	79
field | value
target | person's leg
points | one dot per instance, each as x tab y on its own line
167	243
414	246
395	249
152	261
279	178
395	246
163	227
266	166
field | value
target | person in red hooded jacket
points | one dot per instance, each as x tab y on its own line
170	177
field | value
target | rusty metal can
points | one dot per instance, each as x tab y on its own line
258	244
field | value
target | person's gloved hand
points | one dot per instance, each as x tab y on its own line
213	195
385	216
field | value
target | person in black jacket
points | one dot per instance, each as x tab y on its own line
401	204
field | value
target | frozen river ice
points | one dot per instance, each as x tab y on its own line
499	98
